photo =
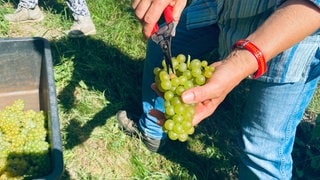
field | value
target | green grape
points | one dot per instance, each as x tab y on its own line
195	64
186	125
168	95
181	58
178	128
190	131
188	84
196	72
179	90
204	63
175	81
178	108
172	135
175	62
200	80
207	73
175	100
164	76
169	124
187	115
183	79
166	85
167	103
182	67
178	118
188	74
183	137
169	110
156	70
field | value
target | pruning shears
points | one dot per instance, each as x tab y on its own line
163	36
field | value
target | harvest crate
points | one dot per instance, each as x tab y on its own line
26	72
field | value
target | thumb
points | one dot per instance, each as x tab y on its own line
196	94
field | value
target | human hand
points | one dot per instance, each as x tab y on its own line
207	97
150	11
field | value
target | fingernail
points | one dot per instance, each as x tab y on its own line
188	97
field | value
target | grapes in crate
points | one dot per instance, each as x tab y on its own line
24	149
186	73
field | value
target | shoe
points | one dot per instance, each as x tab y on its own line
25	15
131	128
82	26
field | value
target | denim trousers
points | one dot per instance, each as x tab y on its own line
78	7
271	114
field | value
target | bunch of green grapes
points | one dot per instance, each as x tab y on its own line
186	73
24	150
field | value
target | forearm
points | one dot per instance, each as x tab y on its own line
291	23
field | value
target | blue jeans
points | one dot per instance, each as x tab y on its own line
271	114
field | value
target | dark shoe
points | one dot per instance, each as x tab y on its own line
131	127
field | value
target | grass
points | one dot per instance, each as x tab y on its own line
99	75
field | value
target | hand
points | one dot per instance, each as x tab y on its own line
150	11
228	74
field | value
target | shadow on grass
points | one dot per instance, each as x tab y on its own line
105	69
102	68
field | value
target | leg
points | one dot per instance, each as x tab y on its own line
29	4
78	8
189	42
27	11
271	116
83	24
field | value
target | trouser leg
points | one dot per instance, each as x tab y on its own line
271	116
78	8
29	4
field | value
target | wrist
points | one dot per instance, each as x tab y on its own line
261	66
242	62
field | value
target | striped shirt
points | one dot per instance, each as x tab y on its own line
239	18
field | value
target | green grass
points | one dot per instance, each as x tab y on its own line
99	75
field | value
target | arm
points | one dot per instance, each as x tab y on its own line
149	12
292	22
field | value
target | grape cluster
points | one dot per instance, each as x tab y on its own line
24	150
186	73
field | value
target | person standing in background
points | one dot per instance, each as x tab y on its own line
29	11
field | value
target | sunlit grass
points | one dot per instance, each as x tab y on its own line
99	75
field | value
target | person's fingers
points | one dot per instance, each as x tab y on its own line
159	115
152	16
178	7
135	3
200	94
155	89
205	109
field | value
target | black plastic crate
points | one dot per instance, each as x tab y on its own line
26	72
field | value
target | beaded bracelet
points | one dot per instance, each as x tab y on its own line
254	50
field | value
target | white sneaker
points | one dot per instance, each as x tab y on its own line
25	15
83	26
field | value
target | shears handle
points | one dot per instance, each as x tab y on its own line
167	13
